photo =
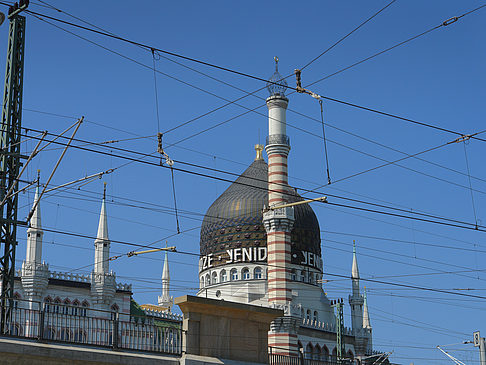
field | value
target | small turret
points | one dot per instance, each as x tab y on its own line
165	300
103	284
102	242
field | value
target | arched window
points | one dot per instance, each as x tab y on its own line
75	309
302	313
214	277
257	273
316	355
334	355
47	305
114	311
308	315
202	282
57	303
234	274
303	276
293	275
308	351
65	307
245	273
311	278
222	276
208	280
84	308
316	316
325	353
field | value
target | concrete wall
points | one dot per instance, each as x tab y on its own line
226	330
25	352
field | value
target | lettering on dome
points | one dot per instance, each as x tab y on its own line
234	255
256	254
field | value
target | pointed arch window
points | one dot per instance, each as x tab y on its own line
75	307
84	308
316	316
114	312
214	277
208	280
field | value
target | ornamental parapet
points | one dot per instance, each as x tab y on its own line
321	326
163	314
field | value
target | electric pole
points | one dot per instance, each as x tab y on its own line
10	156
479	342
340	346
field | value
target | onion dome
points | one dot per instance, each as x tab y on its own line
235	219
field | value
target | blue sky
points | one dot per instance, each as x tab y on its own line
437	79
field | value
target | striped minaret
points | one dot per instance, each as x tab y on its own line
282	337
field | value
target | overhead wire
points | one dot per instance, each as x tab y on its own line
230	181
443	24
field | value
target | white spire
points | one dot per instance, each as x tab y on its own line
34	234
366	316
102	242
165	299
165	271
35	220
354	270
103	223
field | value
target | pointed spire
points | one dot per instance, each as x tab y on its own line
354	270
103	223
165	271
35	220
366	316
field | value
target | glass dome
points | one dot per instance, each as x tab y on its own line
276	85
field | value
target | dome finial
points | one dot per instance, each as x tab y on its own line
276	85
259	149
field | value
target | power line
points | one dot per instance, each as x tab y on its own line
346	36
230	181
150	48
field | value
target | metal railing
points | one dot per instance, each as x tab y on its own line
86	326
304	359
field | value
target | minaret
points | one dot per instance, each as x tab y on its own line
35	234
35	273
165	299
367	325
279	222
356	301
366	316
103	283
102	242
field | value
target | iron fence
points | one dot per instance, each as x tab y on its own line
86	326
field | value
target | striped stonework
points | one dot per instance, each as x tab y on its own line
282	338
